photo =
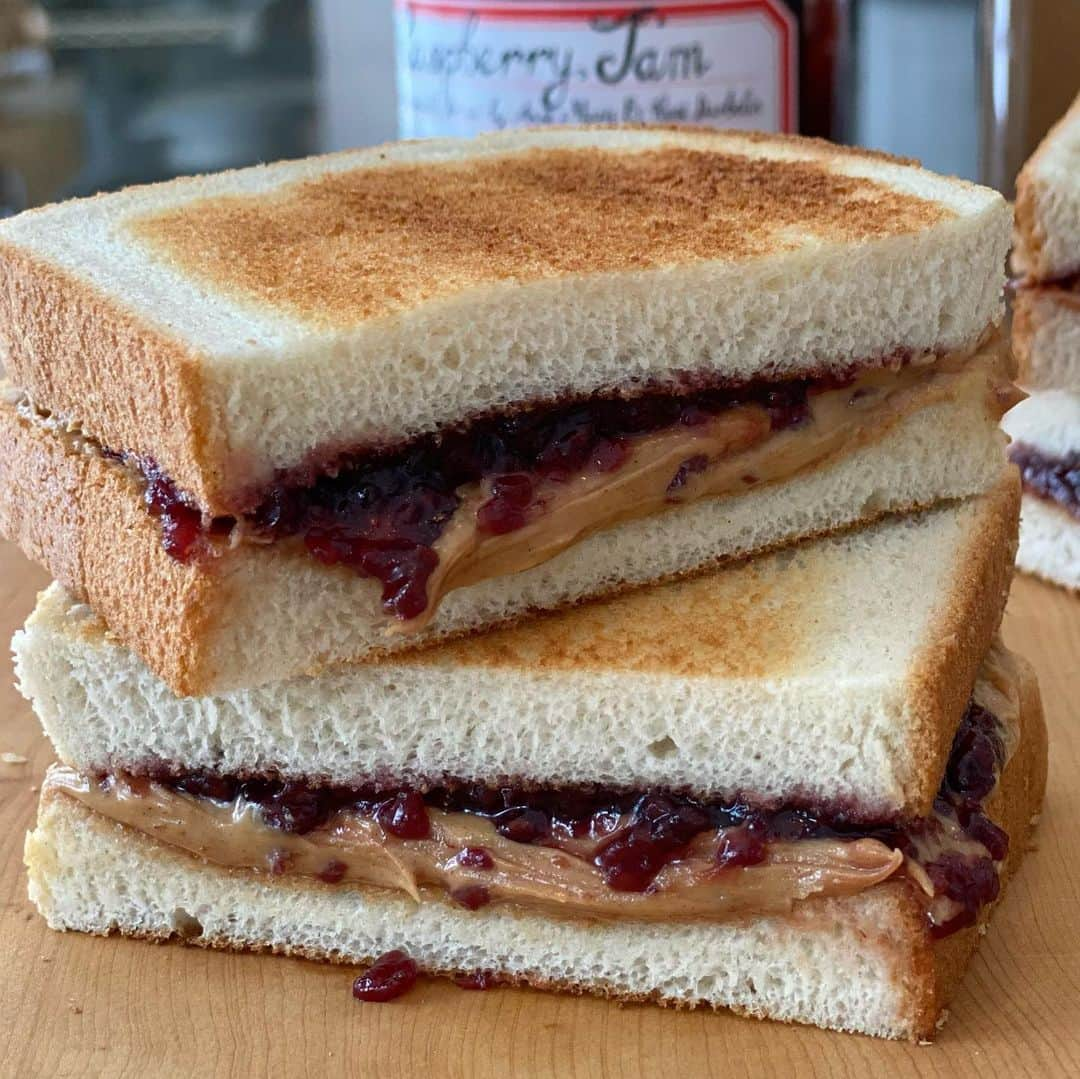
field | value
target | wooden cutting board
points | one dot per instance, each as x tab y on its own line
72	1005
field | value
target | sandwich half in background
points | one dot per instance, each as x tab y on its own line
276	419
1046	339
792	787
1046	252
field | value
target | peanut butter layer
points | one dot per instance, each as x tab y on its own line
554	880
731	453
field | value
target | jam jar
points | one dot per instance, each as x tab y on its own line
465	66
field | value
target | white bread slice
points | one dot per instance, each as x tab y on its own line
259	614
1048	421
1046	338
1049	543
1048	204
837	671
235	324
864	963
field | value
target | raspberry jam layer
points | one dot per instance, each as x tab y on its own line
1056	479
645	855
383	514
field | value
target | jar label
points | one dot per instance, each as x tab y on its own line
466	66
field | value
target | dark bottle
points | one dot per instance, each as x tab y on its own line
825	68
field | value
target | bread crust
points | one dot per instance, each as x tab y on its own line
80	353
1015	805
925	971
942	677
84	519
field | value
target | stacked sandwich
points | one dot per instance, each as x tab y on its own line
274	430
1046	336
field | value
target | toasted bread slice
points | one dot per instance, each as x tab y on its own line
863	963
1047	241
237	325
837	671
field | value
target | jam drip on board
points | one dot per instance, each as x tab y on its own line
391	975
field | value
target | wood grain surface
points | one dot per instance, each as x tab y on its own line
78	1006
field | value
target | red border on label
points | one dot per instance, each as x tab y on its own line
774	11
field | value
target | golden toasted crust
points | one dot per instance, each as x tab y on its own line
943	675
368	243
927	971
643	630
1028	229
83	519
1025	321
79	354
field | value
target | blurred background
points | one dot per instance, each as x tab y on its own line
96	94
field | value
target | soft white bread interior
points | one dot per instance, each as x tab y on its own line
1048	203
1048	421
836	671
1049	542
234	324
1046	338
864	963
260	614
